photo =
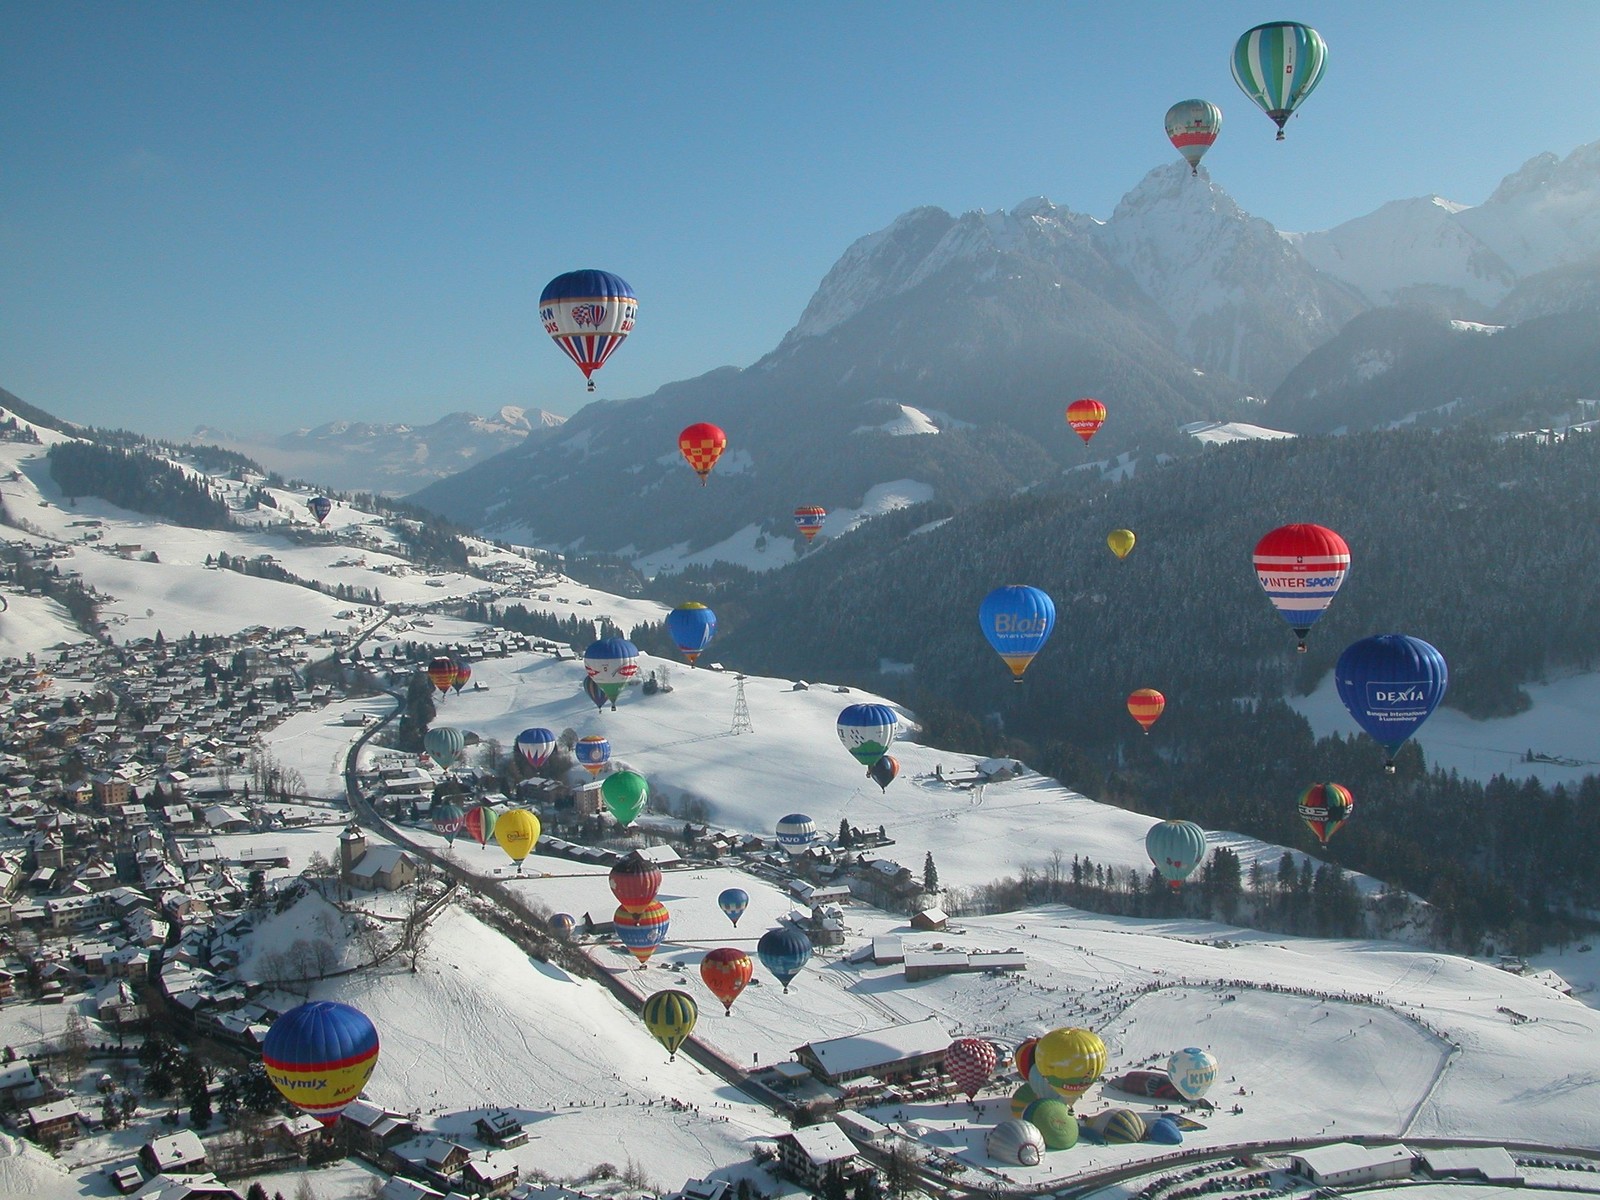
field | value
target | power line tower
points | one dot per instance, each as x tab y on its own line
741	710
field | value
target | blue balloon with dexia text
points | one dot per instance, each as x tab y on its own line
320	507
1391	684
867	731
691	627
1017	620
784	951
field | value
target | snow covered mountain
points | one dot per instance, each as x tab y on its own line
389	459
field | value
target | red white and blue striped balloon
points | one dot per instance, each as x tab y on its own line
1301	567
589	314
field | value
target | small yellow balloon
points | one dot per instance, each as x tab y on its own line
517	831
1121	542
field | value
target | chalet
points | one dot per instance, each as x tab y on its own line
892	1054
807	1155
177	1152
203	1186
929	964
930	920
383	868
19	1084
374	1130
491	1175
53	1124
439	1158
401	1188
500	1128
297	1132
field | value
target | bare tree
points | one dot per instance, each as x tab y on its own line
325	957
372	942
302	958
75	1043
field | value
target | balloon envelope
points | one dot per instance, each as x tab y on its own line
635	880
535	746
1086	416
1192	1071
1192	127
784	951
643	931
563	924
867	731
670	1017
1015	1141
593	752
884	772
612	663
320	507
733	902
1301	567
447	819
589	314
1054	1120
444	743
1017	621
1176	848
479	823
1069	1061
516	831
320	1055
463	676
625	794
701	445
442	672
970	1062
808	519
1121	542
796	833
726	971
1391	684
1145	706
1119	1126
1277	65
691	627
1325	807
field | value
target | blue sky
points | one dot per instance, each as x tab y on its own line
260	216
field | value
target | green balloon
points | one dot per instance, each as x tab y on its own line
625	793
1055	1120
1020	1099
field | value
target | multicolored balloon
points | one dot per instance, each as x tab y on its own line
592	690
1391	684
535	746
670	1017
320	1055
970	1062
808	519
563	924
1176	848
1277	65
733	902
884	772
1121	542
1146	706
797	833
593	752
1192	127
612	663
442	672
1301	567
625	794
726	972
447	820
1192	1071
516	831
867	731
479	823
1118	1126
1325	807
444	743
463	676
701	445
641	932
589	314
691	627
784	951
1085	417
320	507
635	880
1017	621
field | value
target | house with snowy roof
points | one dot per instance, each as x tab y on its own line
808	1155
891	1054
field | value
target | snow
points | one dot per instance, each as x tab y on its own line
31	624
910	422
1216	433
1475	327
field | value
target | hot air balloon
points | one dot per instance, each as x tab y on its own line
516	830
1163	1131
1325	807
320	507
1277	65
643	931
808	519
1023	1058
1015	1141
1054	1120
1121	542
733	902
1192	1071
1391	684
442	672
1145	706
1192	125
535	747
1176	848
1017	620
1118	1126
867	731
784	951
970	1062
796	834
1021	1098
726	971
592	690
635	880
588	313
612	663
625	794
479	823
444	743
691	627
1300	567
563	924
447	819
320	1055
462	677
670	1018
701	445
593	752
1067	1062
1086	416
884	771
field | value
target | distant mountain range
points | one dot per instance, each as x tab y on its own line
972	332
361	456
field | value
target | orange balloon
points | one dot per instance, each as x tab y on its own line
726	972
1145	705
1086	416
702	444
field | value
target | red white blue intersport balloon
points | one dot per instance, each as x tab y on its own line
1301	568
589	314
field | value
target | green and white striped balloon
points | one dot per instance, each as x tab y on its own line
1277	65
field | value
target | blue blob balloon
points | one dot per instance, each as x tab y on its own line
784	951
733	902
1391	684
1017	620
1164	1131
535	746
691	627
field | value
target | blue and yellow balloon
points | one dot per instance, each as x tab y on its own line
1017	621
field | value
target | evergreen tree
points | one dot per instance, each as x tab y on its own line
930	875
